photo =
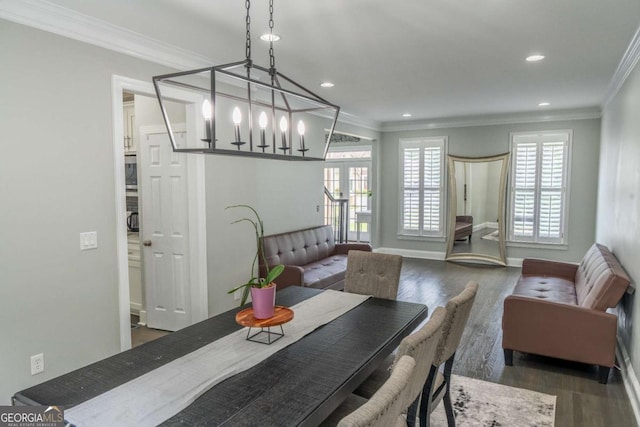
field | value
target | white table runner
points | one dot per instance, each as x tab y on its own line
160	394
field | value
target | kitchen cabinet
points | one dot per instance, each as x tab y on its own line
129	118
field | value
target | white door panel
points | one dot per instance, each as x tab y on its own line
165	226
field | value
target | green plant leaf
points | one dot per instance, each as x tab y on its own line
271	273
274	273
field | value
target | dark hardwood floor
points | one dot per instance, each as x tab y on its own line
141	334
581	400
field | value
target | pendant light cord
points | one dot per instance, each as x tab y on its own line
247	48
272	58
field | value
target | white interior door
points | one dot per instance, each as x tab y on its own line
164	231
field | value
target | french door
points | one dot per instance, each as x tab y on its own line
349	178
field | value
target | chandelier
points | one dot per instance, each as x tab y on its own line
244	109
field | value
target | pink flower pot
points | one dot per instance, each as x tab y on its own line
263	301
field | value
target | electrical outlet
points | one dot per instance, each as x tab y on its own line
88	240
37	364
237	295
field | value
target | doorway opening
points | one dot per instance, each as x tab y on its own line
127	145
347	175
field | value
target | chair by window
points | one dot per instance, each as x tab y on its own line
372	273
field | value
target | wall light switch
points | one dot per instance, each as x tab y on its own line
88	240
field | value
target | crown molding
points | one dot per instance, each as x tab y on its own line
351	119
498	119
56	19
50	17
626	65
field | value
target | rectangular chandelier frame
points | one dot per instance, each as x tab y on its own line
257	90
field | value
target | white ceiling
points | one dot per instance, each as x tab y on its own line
432	58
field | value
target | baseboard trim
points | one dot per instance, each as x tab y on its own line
135	308
439	256
629	379
515	262
411	253
143	318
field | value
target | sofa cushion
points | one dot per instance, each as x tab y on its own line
299	247
600	280
546	288
322	274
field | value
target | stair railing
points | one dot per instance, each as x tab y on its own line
336	214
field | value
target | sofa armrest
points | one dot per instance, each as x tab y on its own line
344	248
293	275
559	330
543	267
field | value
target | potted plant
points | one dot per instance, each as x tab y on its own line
263	290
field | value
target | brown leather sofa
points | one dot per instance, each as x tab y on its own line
559	310
464	227
311	257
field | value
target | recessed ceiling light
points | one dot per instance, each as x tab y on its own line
268	37
327	84
544	104
534	58
406	115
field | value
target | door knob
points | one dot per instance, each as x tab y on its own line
147	243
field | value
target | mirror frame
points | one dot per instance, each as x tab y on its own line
470	256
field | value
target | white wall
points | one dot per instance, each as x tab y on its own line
57	180
618	222
284	193
478	141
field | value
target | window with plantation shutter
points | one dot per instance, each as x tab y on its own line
422	186
537	206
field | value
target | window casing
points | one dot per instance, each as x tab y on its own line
539	187
422	186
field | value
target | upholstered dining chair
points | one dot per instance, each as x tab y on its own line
422	346
372	273
438	383
385	407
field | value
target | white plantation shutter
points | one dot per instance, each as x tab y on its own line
411	190
422	190
539	186
432	167
524	182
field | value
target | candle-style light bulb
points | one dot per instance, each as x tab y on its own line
207	114
301	130
262	122
206	109
237	116
237	119
283	132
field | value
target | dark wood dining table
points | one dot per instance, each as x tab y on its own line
299	385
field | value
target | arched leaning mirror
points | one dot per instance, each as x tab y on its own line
477	188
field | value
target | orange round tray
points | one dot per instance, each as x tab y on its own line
281	315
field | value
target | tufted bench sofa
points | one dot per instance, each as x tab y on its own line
559	310
311	257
